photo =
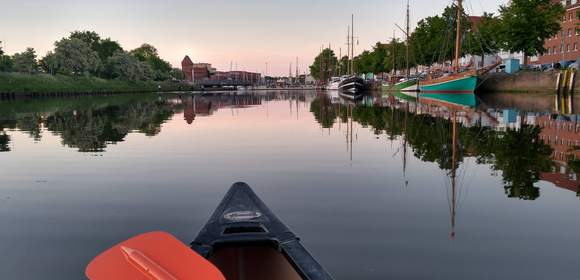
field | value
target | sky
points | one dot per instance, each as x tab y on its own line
246	33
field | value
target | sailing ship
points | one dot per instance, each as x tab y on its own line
352	86
458	81
407	83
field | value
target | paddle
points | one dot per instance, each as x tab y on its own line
151	256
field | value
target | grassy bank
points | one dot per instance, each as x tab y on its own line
43	83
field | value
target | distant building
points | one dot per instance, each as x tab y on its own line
198	72
564	46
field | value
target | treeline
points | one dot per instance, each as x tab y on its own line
85	53
519	26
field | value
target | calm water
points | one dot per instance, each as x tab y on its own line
376	190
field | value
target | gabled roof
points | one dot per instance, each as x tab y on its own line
186	61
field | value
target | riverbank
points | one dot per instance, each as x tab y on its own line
15	84
521	82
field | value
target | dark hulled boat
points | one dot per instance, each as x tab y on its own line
245	240
352	86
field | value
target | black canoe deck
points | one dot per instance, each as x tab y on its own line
242	220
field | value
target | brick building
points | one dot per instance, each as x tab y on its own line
195	72
565	46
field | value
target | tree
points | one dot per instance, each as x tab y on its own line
485	38
434	38
75	57
90	37
25	62
528	23
106	48
324	65
177	74
49	63
5	61
125	66
147	53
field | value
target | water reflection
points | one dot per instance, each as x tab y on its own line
403	173
522	145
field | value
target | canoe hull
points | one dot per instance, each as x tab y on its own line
243	220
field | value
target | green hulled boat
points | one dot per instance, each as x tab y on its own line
458	83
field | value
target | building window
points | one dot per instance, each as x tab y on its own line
569	32
567	48
575	46
570	16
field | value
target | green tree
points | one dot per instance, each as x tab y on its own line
5	61
343	66
75	57
177	74
93	39
49	63
160	68
434	37
25	62
324	65
106	48
485	38
528	23
125	66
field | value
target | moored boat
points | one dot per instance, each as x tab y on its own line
245	240
453	83
352	85
460	80
409	84
334	83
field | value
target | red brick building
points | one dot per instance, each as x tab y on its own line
565	46
195	72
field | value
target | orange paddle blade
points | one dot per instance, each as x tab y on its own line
152	256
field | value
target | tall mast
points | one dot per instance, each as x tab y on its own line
339	71
394	55
407	33
352	48
296	66
348	50
458	35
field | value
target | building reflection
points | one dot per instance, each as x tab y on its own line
198	105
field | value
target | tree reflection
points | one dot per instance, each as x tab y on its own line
324	111
91	127
520	154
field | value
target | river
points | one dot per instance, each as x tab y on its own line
390	187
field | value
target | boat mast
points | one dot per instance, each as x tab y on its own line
407	33
394	55
458	35
348	50
453	172
352	47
